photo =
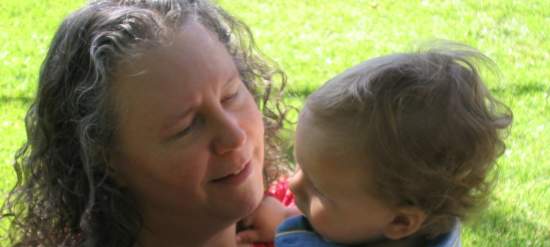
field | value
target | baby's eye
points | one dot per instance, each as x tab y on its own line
322	197
320	194
317	191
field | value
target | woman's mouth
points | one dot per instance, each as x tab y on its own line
236	177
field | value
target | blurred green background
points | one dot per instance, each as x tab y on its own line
312	40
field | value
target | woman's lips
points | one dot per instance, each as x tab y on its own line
236	178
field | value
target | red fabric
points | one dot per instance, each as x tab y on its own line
281	191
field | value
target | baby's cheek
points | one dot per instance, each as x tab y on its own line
321	218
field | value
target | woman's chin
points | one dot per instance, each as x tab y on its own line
243	199
251	204
254	194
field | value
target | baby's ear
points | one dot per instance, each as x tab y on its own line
406	222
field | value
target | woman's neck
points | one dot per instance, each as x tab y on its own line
195	230
192	238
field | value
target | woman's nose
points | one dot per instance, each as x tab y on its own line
230	135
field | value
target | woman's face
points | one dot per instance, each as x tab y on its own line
190	136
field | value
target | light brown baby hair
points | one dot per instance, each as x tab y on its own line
428	127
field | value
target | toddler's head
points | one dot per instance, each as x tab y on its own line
398	146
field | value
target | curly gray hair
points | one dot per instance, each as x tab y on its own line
64	194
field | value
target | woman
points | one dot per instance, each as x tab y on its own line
145	129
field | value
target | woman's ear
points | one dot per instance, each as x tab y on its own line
115	175
406	222
113	171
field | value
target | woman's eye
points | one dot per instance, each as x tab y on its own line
230	97
189	128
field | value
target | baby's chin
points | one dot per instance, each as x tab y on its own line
343	238
301	207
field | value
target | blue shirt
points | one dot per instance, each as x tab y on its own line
297	232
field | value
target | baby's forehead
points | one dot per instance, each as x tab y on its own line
330	140
339	131
342	172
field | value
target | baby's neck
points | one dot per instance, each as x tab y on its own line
412	241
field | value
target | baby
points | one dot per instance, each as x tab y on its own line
395	151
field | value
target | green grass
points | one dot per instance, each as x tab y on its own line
313	40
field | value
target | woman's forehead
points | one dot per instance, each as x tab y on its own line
194	56
162	79
192	47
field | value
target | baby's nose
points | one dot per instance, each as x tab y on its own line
295	182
